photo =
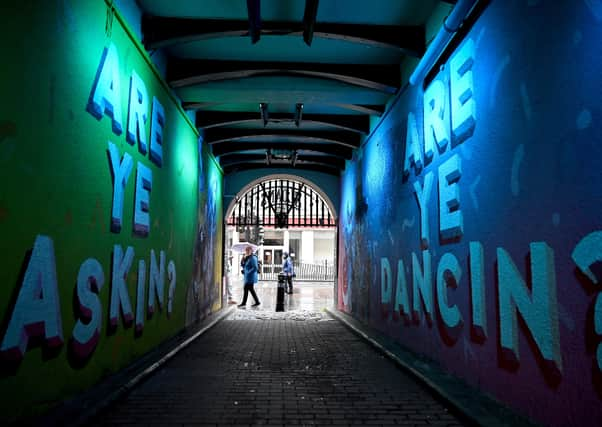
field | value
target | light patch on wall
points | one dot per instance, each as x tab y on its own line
526	102
377	162
348	196
186	162
472	191
584	119
595	7
497	75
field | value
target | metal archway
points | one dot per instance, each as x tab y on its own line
281	201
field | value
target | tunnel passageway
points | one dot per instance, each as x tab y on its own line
293	368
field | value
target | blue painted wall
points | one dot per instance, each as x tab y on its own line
508	302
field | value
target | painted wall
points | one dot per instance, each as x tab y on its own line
111	239
482	220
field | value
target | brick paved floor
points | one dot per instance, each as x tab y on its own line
264	368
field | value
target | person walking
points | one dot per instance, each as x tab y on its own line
250	269
287	269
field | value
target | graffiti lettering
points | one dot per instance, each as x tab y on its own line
86	332
144	183
588	252
121	172
539	310
105	98
137	113
422	197
37	311
537	306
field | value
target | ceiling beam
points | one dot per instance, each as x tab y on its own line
341	137
232	159
188	72
353	123
309	20
161	31
374	110
254	14
330	170
228	147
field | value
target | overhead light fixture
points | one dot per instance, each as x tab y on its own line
254	13
309	20
281	156
298	113
265	115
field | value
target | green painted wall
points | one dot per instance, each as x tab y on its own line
56	182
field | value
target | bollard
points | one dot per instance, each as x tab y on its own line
280	292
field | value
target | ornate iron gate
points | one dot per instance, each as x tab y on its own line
281	203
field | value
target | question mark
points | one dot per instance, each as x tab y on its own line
171	273
587	252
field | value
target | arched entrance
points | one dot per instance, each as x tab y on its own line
286	214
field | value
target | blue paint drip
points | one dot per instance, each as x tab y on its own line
473	195
525	100
496	79
519	154
584	119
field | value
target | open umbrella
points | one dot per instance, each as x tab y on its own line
240	247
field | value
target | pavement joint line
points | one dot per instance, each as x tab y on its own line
132	383
432	386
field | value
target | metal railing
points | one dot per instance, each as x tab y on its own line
303	271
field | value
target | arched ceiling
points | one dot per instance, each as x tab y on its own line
286	83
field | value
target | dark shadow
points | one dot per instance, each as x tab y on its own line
506	359
588	286
477	334
449	240
427	317
400	315
384	311
592	340
448	335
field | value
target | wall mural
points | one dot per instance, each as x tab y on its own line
482	218
104	224
202	300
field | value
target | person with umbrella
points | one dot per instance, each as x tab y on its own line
287	269
250	270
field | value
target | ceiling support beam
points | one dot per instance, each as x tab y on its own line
165	31
254	13
354	123
188	72
240	147
341	137
309	20
374	110
299	166
231	159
